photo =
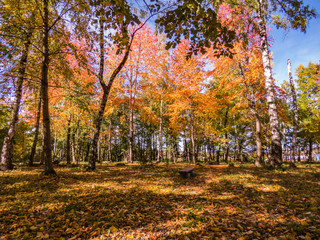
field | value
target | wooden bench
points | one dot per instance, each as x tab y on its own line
187	172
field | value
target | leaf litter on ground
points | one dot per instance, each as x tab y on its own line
134	202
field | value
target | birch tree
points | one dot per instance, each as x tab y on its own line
284	14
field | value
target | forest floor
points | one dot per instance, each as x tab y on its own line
153	202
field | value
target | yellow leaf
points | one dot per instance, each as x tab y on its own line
113	229
308	237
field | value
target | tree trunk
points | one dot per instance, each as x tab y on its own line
94	152
69	141
252	106
54	146
276	151
205	153
284	139
295	117
36	133
185	147
87	152
62	152
218	155
42	152
109	142
160	134
130	160
192	138
106	89
73	148
310	151
210	153
226	153
166	151
6	153
98	150
76	141
259	161
174	157
238	156
48	169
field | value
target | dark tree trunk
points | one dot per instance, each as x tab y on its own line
130	160
54	146
109	142
310	151
160	134
94	151
42	152
69	141
36	133
98	150
185	150
47	148
210	153
87	152
226	153
6	153
218	155
106	89
192	137
259	160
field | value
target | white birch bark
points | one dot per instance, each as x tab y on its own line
276	150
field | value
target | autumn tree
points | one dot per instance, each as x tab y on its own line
240	78
308	103
295	121
121	17
50	16
186	83
16	31
285	14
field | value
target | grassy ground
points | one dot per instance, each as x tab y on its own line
153	202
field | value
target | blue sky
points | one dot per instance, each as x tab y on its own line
301	48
